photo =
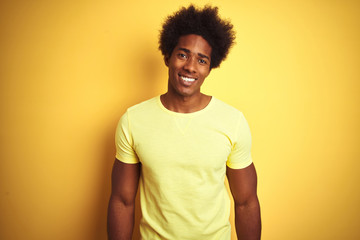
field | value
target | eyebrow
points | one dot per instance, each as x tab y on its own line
199	54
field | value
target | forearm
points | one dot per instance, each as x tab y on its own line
120	220
248	220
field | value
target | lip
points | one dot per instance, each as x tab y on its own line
184	82
187	76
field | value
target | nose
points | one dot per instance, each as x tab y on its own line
190	65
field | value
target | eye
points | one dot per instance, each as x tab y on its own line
181	55
202	61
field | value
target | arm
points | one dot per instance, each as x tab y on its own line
125	179
243	184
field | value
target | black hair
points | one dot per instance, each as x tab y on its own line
204	22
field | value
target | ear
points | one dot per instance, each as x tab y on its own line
166	60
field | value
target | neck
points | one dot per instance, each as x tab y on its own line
183	104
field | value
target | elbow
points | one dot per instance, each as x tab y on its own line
248	203
122	200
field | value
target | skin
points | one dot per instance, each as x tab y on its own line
243	186
190	58
125	180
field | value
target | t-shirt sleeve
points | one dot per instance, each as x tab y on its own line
240	156
124	142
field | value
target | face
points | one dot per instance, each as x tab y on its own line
189	65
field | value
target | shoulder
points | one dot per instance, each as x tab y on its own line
226	117
226	110
150	103
138	112
143	108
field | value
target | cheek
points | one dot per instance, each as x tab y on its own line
205	73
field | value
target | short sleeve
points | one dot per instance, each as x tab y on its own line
240	156
124	142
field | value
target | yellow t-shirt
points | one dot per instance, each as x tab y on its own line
184	158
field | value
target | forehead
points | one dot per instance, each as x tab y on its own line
194	43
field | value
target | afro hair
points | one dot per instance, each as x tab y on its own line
204	22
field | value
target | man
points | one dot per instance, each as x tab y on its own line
179	146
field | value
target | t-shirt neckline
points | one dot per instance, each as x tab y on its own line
205	109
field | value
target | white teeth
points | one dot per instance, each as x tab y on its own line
186	79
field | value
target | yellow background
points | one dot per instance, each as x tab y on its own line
69	69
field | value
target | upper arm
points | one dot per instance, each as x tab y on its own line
243	184
125	180
240	155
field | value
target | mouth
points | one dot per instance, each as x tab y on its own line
187	79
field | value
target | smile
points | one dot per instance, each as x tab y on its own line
187	79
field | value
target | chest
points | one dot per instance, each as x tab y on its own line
182	143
